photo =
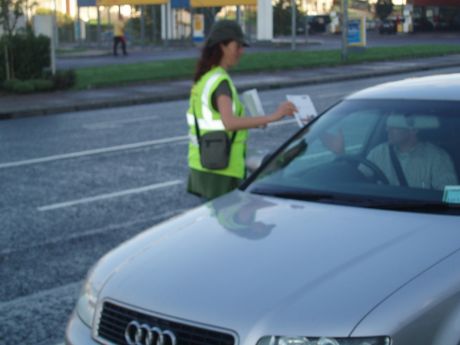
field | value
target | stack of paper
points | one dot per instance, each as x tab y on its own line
252	103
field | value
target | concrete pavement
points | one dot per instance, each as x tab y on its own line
17	106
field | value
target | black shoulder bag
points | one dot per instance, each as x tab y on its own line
215	147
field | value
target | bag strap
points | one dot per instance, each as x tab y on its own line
233	137
397	166
197	128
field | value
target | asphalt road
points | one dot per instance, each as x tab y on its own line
76	185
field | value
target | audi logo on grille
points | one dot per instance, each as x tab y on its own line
143	334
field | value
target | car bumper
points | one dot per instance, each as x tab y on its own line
77	333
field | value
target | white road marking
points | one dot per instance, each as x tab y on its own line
103	150
95	231
108	196
117	123
22	302
94	152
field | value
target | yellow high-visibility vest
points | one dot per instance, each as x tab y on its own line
209	119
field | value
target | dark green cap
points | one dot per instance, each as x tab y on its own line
224	30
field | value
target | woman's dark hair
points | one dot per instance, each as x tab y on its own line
210	57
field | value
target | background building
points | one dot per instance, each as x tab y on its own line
154	21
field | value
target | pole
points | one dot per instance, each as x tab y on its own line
154	23
99	35
192	24
78	26
293	24
344	30
167	23
55	28
143	26
53	46
306	27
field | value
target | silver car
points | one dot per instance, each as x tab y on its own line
349	234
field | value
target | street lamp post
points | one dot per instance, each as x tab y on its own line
99	31
55	28
143	26
344	30
293	24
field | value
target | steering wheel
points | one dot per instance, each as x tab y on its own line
377	174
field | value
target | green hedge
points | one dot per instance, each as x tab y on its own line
59	81
30	56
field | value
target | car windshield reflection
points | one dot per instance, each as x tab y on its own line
374	153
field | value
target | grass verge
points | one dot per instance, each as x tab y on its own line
115	75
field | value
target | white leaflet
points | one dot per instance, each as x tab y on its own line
304	106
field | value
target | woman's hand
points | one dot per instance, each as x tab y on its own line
284	109
233	122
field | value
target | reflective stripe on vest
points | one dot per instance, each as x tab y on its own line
213	125
206	122
208	118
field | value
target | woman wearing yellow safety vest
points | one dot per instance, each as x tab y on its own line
215	106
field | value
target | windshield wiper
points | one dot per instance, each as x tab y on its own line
417	206
357	200
305	195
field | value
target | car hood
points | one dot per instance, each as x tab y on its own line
264	265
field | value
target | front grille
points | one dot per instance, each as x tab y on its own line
115	318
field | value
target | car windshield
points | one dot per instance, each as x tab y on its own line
394	154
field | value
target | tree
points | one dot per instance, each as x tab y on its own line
383	8
282	13
10	12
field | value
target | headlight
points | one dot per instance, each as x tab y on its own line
323	341
86	304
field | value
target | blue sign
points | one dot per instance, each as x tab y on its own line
86	3
180	3
357	32
354	31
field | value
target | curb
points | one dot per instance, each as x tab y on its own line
183	92
52	110
344	77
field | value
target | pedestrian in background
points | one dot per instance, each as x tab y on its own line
119	35
215	106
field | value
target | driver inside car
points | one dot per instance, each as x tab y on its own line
405	160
